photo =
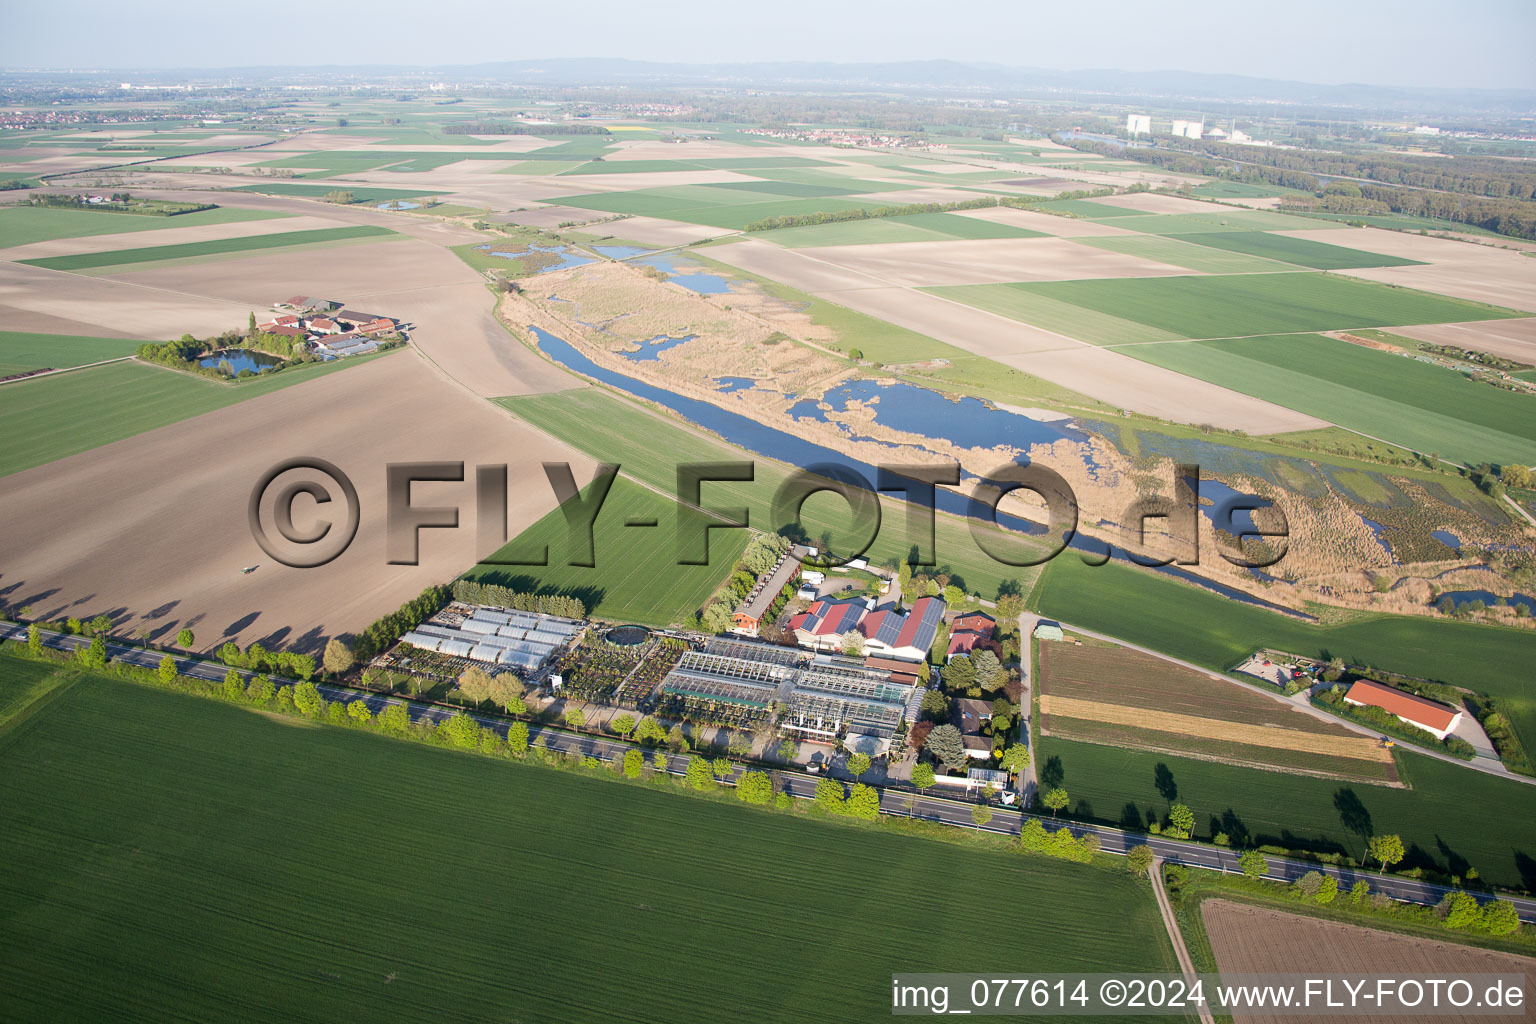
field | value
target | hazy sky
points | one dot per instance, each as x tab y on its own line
1474	43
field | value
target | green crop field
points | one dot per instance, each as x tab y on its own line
359	195
1452	818
21	351
1241	190
1143	607
278	871
26	224
637	577
700	204
921	227
1425	407
1239	305
1087	209
67	413
649	446
1219	220
210	247
1300	251
1025	303
1179	253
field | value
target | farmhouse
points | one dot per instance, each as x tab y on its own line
969	716
826	623
1431	716
967	631
307	304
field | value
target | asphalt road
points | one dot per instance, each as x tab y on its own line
897	802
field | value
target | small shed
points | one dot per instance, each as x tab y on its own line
1049	631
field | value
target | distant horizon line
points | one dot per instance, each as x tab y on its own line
661	66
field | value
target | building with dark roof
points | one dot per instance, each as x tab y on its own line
827	623
904	636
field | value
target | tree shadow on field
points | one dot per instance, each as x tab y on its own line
1052	773
241	624
1130	817
1526	865
1455	863
274	640
162	611
1162	778
1353	813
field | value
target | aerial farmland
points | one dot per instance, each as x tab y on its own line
815	530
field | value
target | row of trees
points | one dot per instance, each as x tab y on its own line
1458	910
384	632
494	595
761	555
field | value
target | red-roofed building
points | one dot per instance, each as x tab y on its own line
967	631
322	325
383	325
905	636
287	331
1433	717
826	623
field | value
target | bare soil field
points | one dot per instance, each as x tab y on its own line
989	261
1150	202
112	308
795	268
160	547
1259	940
663	233
1062	227
444	300
1482	273
1511	339
1130	384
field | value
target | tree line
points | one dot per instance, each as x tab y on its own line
798	220
476	592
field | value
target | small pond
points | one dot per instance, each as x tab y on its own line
731	384
1447	538
241	359
619	252
966	422
1230	510
399	204
687	273
555	257
650	351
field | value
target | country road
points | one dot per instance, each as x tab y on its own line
898	802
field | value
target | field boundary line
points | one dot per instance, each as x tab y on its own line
66	369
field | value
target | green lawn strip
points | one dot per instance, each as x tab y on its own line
24	225
217	843
209	247
23	683
21	351
542	167
63	414
1218	220
1087	209
636	577
1303	252
1451	818
921	227
1196	625
1179	253
360	194
1242	190
1427	408
649	447
1032	306
713	210
1243	305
